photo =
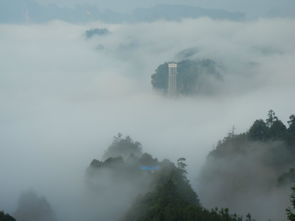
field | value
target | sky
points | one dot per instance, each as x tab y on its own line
42	11
255	8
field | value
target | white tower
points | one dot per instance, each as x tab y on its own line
172	79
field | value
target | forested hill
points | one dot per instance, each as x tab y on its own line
193	77
5	217
278	138
254	168
160	189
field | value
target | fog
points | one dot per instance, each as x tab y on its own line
248	181
63	97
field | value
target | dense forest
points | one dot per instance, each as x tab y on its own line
165	193
291	210
278	139
5	217
252	168
194	76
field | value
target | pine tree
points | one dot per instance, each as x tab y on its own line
290	210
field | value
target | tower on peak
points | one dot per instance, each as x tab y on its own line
172	78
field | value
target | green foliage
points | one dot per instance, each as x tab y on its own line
291	123
271	118
192	76
288	177
277	140
277	131
165	201
291	130
291	210
258	131
123	163
173	199
166	192
123	147
147	160
231	144
5	217
181	164
160	78
268	144
273	129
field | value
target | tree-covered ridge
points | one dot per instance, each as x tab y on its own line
256	164
173	199
273	129
194	76
291	209
123	147
272	138
124	161
163	190
168	187
266	132
288	177
5	217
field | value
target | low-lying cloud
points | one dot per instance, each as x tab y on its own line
64	97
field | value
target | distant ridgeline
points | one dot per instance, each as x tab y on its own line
260	160
34	207
16	11
193	77
163	192
31	207
96	32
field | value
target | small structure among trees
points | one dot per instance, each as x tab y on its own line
187	77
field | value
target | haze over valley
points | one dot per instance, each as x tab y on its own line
89	130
